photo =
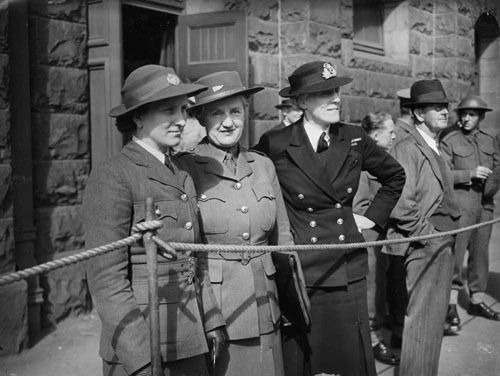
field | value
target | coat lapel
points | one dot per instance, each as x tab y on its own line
337	152
302	153
428	153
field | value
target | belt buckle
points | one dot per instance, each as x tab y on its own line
245	258
192	270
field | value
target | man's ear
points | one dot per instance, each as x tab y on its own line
417	112
137	119
301	101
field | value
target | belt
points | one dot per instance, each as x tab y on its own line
168	270
244	256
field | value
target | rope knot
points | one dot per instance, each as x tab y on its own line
147	226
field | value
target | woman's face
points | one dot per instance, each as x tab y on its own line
161	124
384	136
224	120
323	107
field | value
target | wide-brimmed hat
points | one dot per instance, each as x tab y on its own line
425	92
313	77
473	102
403	93
222	85
151	83
286	103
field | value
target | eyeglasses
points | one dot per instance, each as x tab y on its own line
439	106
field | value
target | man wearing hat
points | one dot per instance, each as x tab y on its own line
290	113
319	161
154	100
427	206
473	158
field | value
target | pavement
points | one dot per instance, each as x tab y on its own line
71	349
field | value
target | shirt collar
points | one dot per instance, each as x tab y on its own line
156	153
313	132
429	140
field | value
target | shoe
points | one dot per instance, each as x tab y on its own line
383	354
396	341
452	317
483	310
451	330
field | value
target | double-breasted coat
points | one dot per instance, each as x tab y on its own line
113	202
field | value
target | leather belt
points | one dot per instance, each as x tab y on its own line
244	256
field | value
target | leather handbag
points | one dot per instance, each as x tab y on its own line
292	294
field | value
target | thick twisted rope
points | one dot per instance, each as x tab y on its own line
153	225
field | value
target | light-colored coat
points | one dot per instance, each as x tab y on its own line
113	202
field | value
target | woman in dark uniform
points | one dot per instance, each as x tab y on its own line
154	100
240	203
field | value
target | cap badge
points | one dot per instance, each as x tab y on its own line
172	79
328	71
217	88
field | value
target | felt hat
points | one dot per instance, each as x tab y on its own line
151	83
403	93
222	85
473	102
426	92
313	77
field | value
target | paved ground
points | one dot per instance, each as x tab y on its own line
71	350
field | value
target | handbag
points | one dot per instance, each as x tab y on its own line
292	294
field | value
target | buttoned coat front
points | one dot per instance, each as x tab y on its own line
113	202
245	208
319	199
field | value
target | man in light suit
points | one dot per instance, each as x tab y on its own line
427	206
319	161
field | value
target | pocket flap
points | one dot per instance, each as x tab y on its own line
262	191
215	270
464	151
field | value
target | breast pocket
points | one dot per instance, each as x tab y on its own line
164	210
266	203
464	157
488	151
213	217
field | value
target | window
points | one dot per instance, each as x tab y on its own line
368	26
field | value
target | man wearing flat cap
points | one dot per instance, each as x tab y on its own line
427	206
319	161
290	113
472	156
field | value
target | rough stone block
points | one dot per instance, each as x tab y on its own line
426	5
456	89
266	10
60	182
426	46
7	263
56	89
382	85
421	21
65	293
414	47
327	12
262	36
422	68
445	68
466	71
445	24
324	40
58	43
471	8
5	149
264	69
263	105
444	6
60	136
445	46
465	26
4	29
294	38
294	10
465	48
374	64
4	81
354	109
359	86
58	230
13	318
6	191
68	10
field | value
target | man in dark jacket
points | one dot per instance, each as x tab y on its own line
319	161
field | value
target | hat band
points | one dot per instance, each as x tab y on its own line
299	82
429	97
150	88
219	95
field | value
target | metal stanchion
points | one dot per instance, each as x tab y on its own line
154	308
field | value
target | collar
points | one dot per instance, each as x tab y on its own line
313	132
155	152
432	142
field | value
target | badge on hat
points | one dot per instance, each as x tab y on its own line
216	88
172	79
328	71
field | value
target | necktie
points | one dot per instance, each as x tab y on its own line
230	162
322	143
168	162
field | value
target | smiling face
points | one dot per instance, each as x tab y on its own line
322	108
224	120
470	118
160	124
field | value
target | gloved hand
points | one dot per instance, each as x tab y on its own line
216	339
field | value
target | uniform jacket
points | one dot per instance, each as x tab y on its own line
423	191
463	155
242	208
319	199
367	189
113	202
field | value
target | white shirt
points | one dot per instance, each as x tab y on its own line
314	131
430	141
156	153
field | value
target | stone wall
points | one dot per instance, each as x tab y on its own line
60	128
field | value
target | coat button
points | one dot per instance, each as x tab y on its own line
203	196
300	196
349	190
184	197
244	209
237	186
312	223
245	236
188	226
341	238
314	239
310	210
338	205
157	212
340	221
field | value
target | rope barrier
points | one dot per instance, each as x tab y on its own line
153	225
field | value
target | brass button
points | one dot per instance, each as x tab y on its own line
312	223
310	210
300	196
340	221
314	239
184	197
244	209
157	212
341	238
203	196
245	236
349	190
237	186
188	226
338	205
